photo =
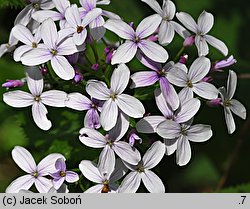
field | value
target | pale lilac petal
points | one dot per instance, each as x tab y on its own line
110	15
90	171
18	99
205	22
62	67
42	15
119	171
57	183
35	81
98	32
205	90
148	62
78	101
106	162
23	182
49	33
229	120
97	90
199	133
23	34
216	43
168	129
24	16
119	79
54	98
130	105
43	185
120	28
47	5
166	33
162	104
238	108
71	176
171	146
183	152
149	124
92	138
24	159
90	16
61	6
144	78
153	51
65	46
79	38
231	84
124	53
187	21
178	77
18	53
152	182
201	45
153	155
36	56
92	119
154	5
148	26
88	4
72	15
183	32
169	9
95	189
60	164
186	94
39	113
130	183
97	22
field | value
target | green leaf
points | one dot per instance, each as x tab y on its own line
12	3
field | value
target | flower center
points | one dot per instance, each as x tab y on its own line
162	73
137	40
53	52
183	131
110	143
113	96
79	29
140	169
166	18
105	188
190	84
36	6
7	45
227	103
93	106
37	98
62	174
35	174
34	45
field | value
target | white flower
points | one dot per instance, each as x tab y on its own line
142	171
37	99
10	46
230	104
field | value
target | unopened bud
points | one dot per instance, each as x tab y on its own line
189	41
12	84
95	66
183	59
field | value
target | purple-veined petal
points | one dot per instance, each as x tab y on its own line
42	15
88	4
144	78
169	129
231	84
152	182
92	138
180	29
119	79
124	53
20	51
148	26
216	43
49	33
229	120
109	114
90	16
187	21
153	51
98	90
97	22
92	119
148	62
78	101
169	9
35	81
57	183
54	98
238	108
95	189
183	152
171	146
186	94
71	176
65	46
199	133
23	182
178	77
18	99
24	159
61	6
36	56
130	105
90	171
154	5
47	5
23	34
201	45
72	15
153	155
43	185
106	162
205	90
205	22
166	33
60	164
79	38
162	104
149	124
130	183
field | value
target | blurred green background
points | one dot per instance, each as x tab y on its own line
220	164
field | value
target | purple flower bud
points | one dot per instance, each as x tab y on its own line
207	79
44	70
153	38
107	50
95	66
78	77
215	102
12	84
89	39
183	59
189	41
109	56
73	59
224	63
133	137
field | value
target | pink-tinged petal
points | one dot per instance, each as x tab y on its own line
216	43
35	81
60	164
171	146
199	69
88	4
39	113
78	101
187	21
238	108
120	28
205	22
92	119
149	124
95	189
57	183
62	67
148	26
61	6
109	114
231	84
98	90
42	15
126	152
162	104
79	38
205	90
49	33
18	53
66	46
153	51
18	99
178	77
24	16
201	45
166	33
169	129
187	110
199	133
180	30
144	78
90	16
186	94
130	183
119	79
148	62
92	138
43	185
71	176
183	152
23	182
229	120
153	155
90	171
72	15
23	34
154	5
124	53
54	98
24	159
106	162
152	182
119	172
36	56
130	106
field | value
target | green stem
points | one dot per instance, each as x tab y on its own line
93	47
179	54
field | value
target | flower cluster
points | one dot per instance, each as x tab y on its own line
52	39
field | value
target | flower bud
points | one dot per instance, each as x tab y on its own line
133	137
214	102
223	63
95	67
183	59
13	84
189	41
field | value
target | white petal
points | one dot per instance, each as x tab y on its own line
162	105
43	185
130	105
183	32
187	21
169	9
201	45
169	129
178	77
35	81
49	33
78	101
130	183
149	124
61	6
216	43
24	159
90	16
36	56
205	22
231	84
23	34
20	51
79	38
18	98
95	189
119	172
153	155
186	94
97	90
42	15
199	133
25	15
23	182
154	5
90	171
66	45
238	108
229	120
205	90
171	146
166	33
92	138
72	15
106	163
54	98
183	152
152	182
144	78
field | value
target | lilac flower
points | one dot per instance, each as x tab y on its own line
159	73
224	63
168	27
230	104
13	84
111	144
80	102
204	25
54	48
62	174
105	179
177	137
137	39
142	171
77	26
37	99
134	137
191	81
35	173
10	46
